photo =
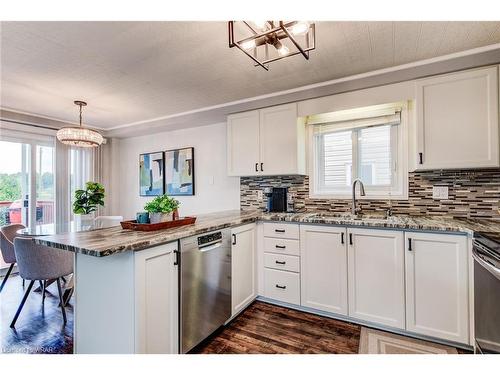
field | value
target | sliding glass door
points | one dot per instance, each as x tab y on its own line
15	181
27	177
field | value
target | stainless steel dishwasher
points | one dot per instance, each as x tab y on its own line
205	279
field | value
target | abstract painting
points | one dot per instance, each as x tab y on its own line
179	171
151	171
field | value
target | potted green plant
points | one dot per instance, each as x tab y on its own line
87	200
162	208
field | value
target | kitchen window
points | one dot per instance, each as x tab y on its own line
365	143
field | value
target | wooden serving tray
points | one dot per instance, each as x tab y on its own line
134	225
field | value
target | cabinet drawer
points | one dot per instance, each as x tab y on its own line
282	286
279	230
279	246
282	262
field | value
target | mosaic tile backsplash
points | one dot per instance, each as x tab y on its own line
471	194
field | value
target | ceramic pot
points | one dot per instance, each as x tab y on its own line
159	217
87	220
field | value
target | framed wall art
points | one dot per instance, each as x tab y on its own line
151	174
179	171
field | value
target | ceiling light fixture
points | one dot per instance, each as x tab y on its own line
300	28
79	137
287	39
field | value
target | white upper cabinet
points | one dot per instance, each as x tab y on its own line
323	259
243	264
269	141
376	276
243	144
457	120
437	286
279	140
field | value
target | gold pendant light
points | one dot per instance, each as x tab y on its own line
79	137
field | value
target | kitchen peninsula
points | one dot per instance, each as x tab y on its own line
126	300
127	283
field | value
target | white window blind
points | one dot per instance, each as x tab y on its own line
393	119
368	148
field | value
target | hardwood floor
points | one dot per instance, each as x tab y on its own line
262	328
40	328
269	329
266	329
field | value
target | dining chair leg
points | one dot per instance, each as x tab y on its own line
6	276
23	283
61	302
44	285
13	323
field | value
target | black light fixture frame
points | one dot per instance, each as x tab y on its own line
273	33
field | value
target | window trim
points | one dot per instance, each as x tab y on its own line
371	192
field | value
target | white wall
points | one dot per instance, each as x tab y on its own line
215	191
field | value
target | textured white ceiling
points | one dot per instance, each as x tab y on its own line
136	71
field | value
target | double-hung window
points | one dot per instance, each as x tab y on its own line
366	143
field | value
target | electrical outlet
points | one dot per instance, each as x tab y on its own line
259	195
440	192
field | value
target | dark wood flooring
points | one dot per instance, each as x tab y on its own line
267	329
40	328
262	328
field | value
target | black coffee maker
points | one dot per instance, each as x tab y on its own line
276	199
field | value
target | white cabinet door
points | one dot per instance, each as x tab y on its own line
376	276
243	157
323	258
279	141
437	302
457	120
243	264
156	300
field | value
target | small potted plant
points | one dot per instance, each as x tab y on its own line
87	200
162	208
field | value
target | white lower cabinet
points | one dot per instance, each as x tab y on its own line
156	300
324	268
437	286
413	281
376	276
243	267
282	286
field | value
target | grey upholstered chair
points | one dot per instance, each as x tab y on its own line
37	262
7	235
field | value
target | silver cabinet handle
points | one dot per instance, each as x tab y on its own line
210	247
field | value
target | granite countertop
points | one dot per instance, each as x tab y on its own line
425	223
108	241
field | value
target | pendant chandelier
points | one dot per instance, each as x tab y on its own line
268	41
79	137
